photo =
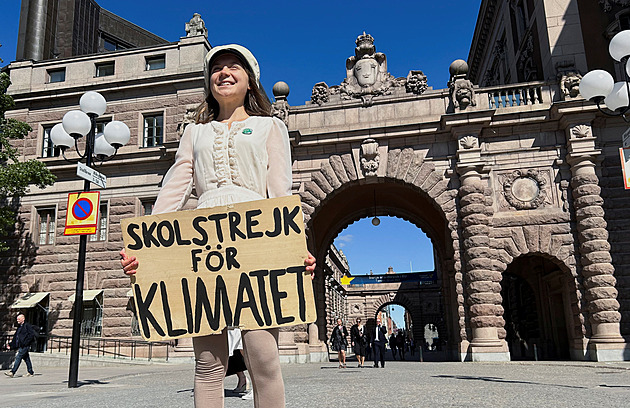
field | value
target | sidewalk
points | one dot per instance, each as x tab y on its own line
399	384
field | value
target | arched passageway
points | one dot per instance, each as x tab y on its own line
537	309
428	303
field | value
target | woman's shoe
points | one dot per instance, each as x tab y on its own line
242	388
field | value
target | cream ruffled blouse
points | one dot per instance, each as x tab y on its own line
250	161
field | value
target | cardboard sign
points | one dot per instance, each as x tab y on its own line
82	214
202	270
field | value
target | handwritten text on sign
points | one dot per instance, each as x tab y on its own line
238	265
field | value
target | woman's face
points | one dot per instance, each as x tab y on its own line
229	81
338	322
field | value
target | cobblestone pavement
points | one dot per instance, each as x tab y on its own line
399	384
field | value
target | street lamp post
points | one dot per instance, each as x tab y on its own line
599	86
75	125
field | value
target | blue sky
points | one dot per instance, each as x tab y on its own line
303	43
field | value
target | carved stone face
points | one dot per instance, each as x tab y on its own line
365	71
463	95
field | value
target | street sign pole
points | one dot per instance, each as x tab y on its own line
78	297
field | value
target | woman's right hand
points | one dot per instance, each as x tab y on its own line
129	263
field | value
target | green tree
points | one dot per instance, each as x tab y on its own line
15	175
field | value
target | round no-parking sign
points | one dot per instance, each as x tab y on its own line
82	214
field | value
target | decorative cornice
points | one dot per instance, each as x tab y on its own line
485	18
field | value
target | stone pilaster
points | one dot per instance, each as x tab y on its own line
483	284
606	343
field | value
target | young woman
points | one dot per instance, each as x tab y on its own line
339	338
359	341
235	152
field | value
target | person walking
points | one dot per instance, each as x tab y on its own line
358	337
339	338
234	152
400	342
393	345
23	338
378	343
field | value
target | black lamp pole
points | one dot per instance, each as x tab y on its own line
78	297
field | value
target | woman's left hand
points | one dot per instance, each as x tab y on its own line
310	265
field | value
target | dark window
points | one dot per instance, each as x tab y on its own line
147	207
92	318
48	148
46	226
153	130
111	44
100	125
101	225
56	75
105	69
158	62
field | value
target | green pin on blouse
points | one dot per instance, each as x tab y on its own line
247	131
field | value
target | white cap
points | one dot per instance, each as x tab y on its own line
240	51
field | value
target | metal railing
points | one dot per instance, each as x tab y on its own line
102	347
110	347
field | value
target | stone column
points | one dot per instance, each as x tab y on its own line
606	343
483	284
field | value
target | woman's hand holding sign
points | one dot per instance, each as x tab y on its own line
130	263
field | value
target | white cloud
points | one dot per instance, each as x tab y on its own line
342	240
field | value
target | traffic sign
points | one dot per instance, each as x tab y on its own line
625	166
89	174
82	214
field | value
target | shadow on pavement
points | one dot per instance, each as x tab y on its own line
501	380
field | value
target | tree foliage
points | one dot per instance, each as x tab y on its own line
15	175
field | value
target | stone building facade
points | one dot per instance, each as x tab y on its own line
518	187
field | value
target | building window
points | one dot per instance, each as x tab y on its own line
100	125
92	319
147	207
46	226
153	130
48	148
101	225
158	62
105	69
111	44
56	75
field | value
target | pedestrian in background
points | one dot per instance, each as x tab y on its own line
23	338
378	343
340	342
393	345
358	337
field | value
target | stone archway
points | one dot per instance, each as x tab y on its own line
406	186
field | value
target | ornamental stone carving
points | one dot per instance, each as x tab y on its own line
196	26
581	131
461	88
320	93
189	117
280	108
569	84
369	157
469	142
416	82
607	6
366	72
525	190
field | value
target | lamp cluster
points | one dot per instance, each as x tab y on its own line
79	123
599	86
